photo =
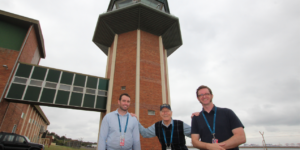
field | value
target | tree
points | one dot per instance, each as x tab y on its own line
59	142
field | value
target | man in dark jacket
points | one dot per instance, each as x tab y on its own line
171	133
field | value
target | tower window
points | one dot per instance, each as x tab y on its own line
152	3
123	3
151	112
123	87
64	87
14	129
22	116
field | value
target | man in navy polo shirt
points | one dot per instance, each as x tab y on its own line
217	128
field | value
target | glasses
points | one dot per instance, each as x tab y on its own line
201	95
165	111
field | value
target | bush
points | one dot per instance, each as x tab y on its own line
59	142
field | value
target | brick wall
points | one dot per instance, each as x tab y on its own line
150	86
7	57
29	48
13	117
125	69
15	110
150	78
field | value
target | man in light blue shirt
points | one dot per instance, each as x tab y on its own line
119	130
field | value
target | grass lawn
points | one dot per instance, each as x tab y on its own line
57	147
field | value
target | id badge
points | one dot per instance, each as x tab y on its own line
214	140
122	140
168	147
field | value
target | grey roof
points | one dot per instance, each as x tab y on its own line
138	16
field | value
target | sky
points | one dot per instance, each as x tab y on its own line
247	52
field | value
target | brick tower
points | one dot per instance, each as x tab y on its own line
138	36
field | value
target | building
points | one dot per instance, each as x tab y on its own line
137	36
21	40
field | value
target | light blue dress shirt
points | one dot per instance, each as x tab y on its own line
150	131
110	133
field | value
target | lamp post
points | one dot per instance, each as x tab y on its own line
263	141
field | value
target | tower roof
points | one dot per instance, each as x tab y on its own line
138	16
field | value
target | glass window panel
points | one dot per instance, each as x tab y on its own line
76	99
114	8
32	93
90	91
24	70
20	139
48	95
163	8
16	91
62	97
151	112
102	93
64	87
14	129
20	80
92	82
89	101
53	75
103	84
101	102
123	87
39	73
50	85
153	3
36	82
78	89
67	78
79	80
9	138
124	3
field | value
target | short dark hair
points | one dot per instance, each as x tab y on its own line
203	87
123	95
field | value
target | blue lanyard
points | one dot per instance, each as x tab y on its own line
125	125
214	128
171	133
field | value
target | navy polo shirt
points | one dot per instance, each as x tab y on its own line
226	121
